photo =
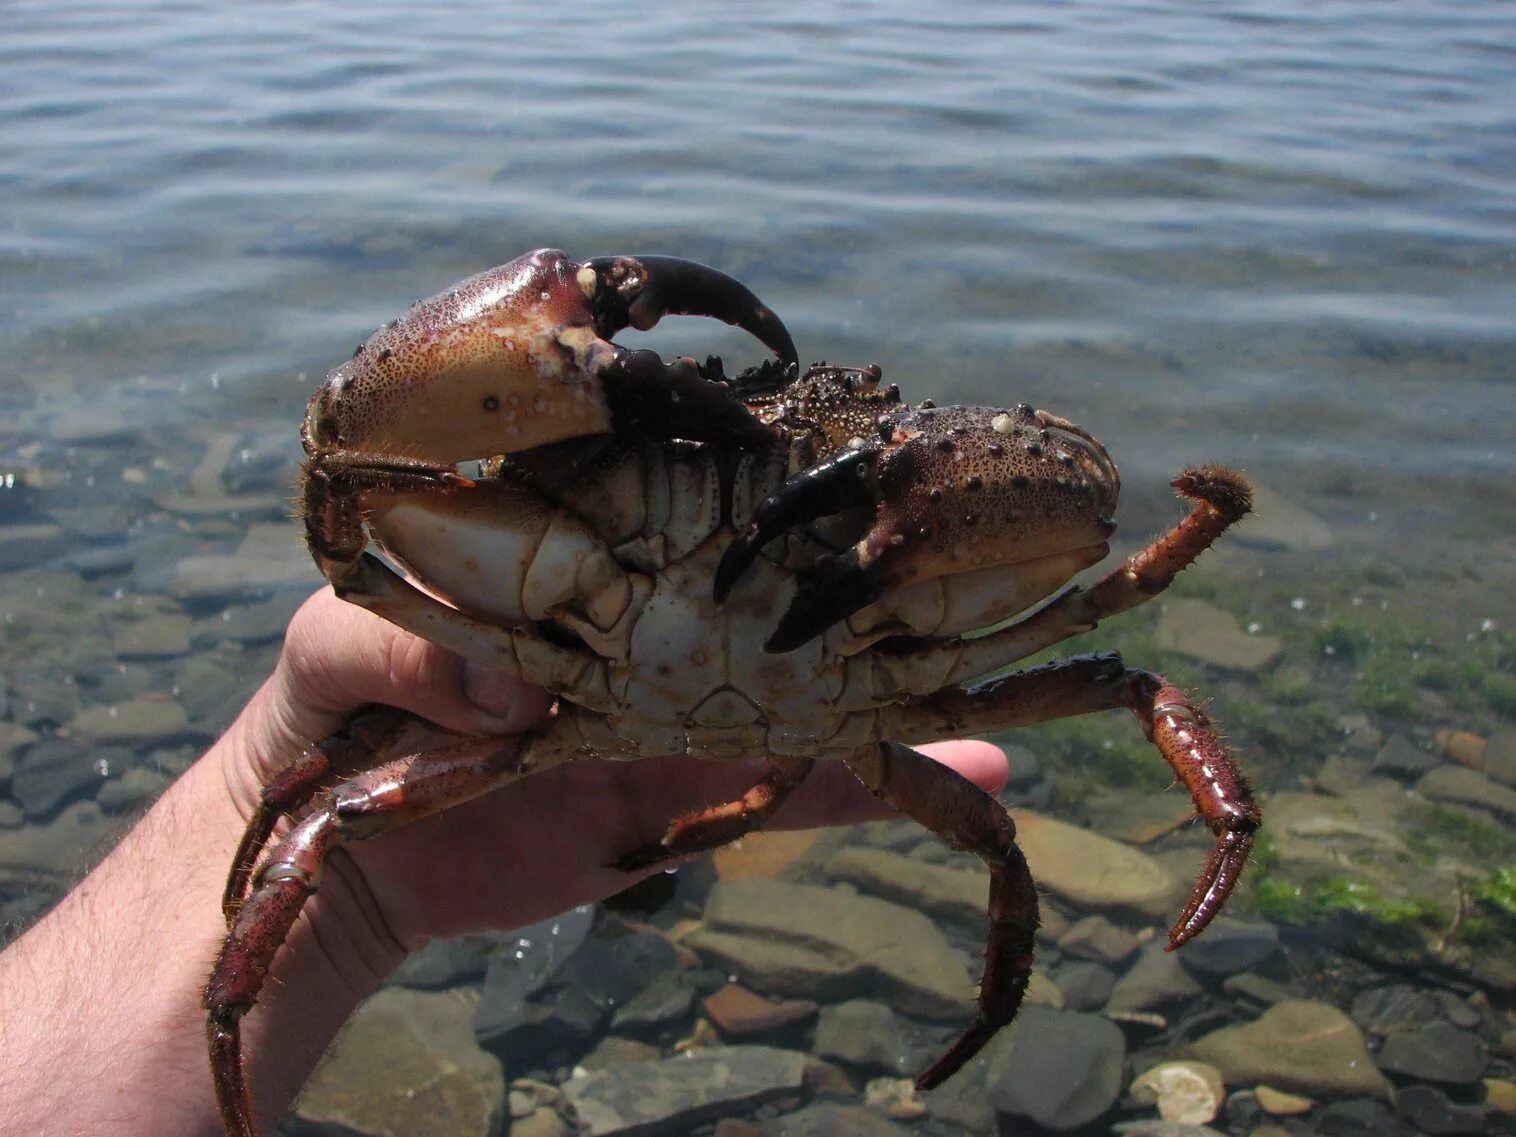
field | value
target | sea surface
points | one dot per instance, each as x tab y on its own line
1276	235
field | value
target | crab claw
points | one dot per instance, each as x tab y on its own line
520	356
954	490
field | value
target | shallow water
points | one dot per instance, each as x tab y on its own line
1281	236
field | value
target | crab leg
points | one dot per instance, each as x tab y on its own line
339	755
370	803
967	817
722	824
1180	730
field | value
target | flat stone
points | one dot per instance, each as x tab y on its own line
1085	985
13	738
1433	1113
1228	946
824	944
1089	871
1435	1052
269	557
668	999
54	772
1500	755
861	1032
614	1050
763	854
1157	1127
406	1065
830	1119
895	1098
1280	1103
1200	630
447	963
31	543
1302	1046
252	622
1462	746
955	894
1256	989
1095	938
1401	758
53	853
1138	819
736	1010
1468	787
674	1095
543	1122
155	635
1155	981
1279	523
135	788
144	718
1393	1007
1185	1091
1060	1069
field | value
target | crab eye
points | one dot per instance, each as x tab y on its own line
491	403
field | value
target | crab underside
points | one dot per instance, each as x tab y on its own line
777	564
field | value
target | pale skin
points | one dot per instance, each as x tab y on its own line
101	1025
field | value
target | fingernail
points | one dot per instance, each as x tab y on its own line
496	693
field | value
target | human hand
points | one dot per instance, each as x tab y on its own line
515	855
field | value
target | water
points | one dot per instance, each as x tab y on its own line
1279	235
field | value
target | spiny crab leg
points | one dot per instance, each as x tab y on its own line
1179	729
378	800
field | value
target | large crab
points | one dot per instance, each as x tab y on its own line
785	564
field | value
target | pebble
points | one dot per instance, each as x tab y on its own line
1096	938
738	1011
13	738
133	789
1060	1069
145	718
613	1050
1300	1045
674	1095
1228	946
446	963
894	1097
668	999
958	894
1256	989
52	773
31	543
1435	1052
1462	746
1501	1093
1393	1007
543	1122
1089	871
1200	630
154	635
1185	1091
1156	980
1281	1103
1085	985
830	1119
1433	1113
38	855
1360	1117
821	943
861	1032
1279	523
406	1064
1468	787
1401	758
1500	755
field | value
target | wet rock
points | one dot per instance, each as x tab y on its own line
763	854
1393	1007
1361	1117
1096	938
1061	1069
1093	872
738	1011
1468	787
1278	523
1433	1113
863	1033
543	1122
1500	755
1160	1128
1228	946
1138	819
1341	776
13	739
31	543
11	816
54	772
55	852
212	689
1434	1052
134	789
1085	985
1300	1045
1256	989
824	944
668	999
1462	746
1279	1103
252	622
1401	758
1200	630
613	1050
153	635
406	1064
93	563
144	718
1184	1091
1359	734
895	1098
832	1120
269	557
674	1095
446	963
1156	980
1500	1093
958	894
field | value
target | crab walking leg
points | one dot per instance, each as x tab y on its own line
1221	497
339	755
722	824
371	803
957	810
1179	729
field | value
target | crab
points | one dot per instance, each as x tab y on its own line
796	565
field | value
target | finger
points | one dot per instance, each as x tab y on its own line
833	796
338	657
